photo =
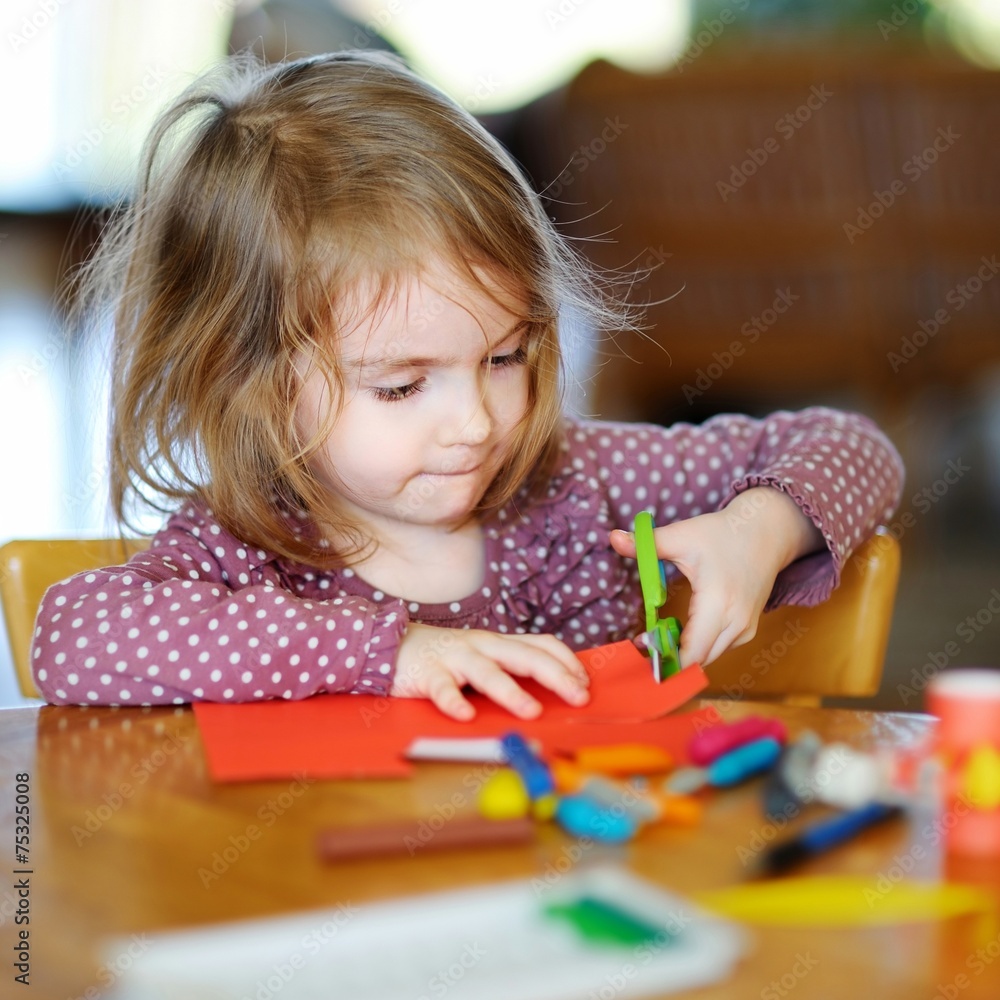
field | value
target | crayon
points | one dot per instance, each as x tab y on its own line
534	772
417	835
624	759
730	769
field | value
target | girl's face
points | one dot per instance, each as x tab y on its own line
435	386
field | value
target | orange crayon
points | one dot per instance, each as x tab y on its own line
677	810
624	759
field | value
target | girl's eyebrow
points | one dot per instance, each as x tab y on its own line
390	364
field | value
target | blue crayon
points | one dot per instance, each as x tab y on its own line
749	759
729	769
533	771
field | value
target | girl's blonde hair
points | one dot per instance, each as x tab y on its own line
266	195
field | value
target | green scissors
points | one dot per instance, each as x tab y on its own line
661	640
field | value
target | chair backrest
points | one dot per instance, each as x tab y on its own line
29	567
836	648
800	654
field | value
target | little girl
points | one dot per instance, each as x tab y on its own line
335	306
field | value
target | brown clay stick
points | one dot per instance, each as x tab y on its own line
414	836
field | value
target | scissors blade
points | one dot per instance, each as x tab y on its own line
646	641
655	656
662	646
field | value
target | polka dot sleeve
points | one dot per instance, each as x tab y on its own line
200	617
840	469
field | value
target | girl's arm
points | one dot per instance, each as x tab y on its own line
755	513
200	617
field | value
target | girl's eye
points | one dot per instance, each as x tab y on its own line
392	394
518	357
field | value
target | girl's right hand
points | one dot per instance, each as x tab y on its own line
436	663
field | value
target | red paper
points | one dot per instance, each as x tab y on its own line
343	736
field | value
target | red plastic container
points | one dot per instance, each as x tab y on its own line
967	703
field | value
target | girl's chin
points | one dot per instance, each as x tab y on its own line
449	518
448	515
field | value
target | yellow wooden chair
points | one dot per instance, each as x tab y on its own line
29	567
799	654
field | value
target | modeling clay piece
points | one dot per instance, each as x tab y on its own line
583	817
503	796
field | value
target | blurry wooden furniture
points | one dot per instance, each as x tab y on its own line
29	567
836	648
746	176
130	836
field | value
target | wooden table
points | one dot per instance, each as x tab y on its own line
129	835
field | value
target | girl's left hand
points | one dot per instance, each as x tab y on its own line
731	558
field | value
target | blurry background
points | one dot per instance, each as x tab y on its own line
806	192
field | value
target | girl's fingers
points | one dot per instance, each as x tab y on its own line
485	660
553	646
623	542
694	650
711	630
443	690
745	636
701	628
489	679
526	659
708	630
723	641
667	538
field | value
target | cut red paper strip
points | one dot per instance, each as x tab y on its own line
348	736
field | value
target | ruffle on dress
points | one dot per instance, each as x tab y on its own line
558	561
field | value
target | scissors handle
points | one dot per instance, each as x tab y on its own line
662	634
651	577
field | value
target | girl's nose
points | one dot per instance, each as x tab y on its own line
477	428
470	422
